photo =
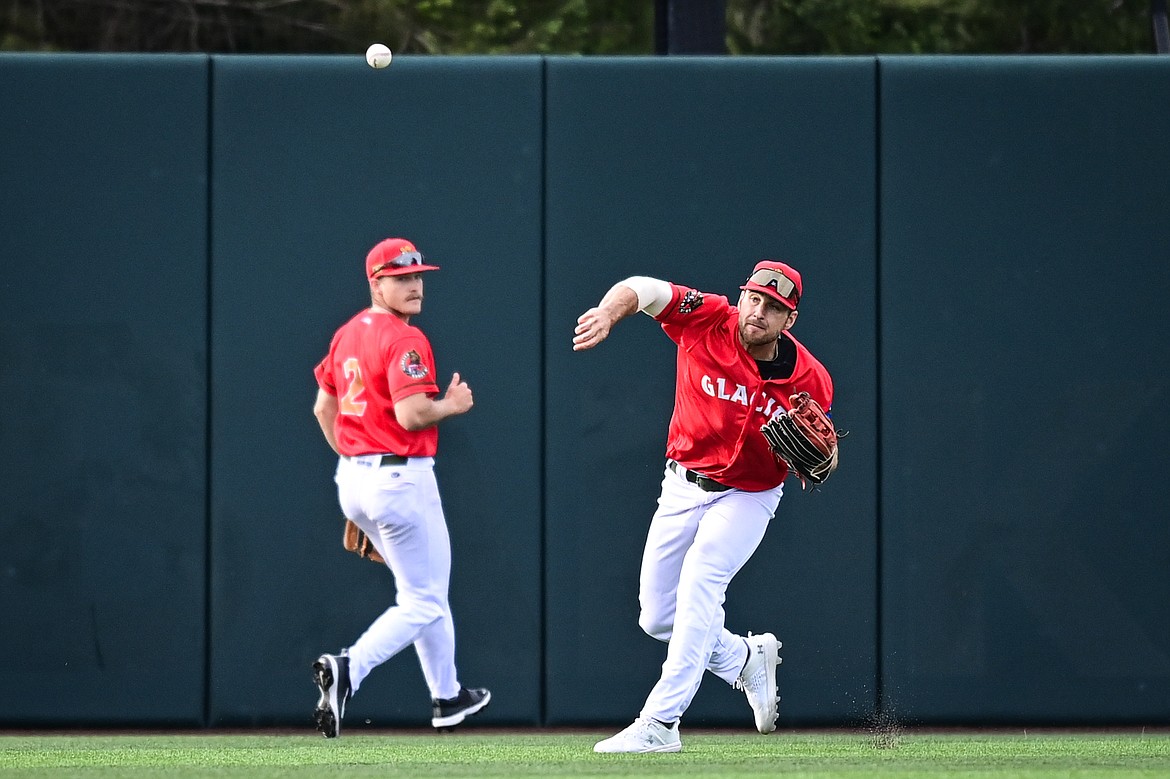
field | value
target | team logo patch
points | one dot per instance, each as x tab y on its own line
412	365
690	301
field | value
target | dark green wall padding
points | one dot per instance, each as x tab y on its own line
103	348
1024	268
983	243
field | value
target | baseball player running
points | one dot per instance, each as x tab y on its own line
737	366
378	406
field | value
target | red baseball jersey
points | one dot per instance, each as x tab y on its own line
375	360
720	399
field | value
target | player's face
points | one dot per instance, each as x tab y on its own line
762	319
401	294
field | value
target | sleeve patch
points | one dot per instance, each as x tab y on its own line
412	365
690	301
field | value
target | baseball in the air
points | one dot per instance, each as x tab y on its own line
378	55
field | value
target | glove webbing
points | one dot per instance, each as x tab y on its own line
786	439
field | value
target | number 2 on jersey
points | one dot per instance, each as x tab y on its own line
349	401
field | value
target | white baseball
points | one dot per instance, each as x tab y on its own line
378	55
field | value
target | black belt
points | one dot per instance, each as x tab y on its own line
390	459
705	483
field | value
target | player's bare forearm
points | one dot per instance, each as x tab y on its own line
420	411
594	325
325	409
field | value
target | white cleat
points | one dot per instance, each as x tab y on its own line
644	735
758	679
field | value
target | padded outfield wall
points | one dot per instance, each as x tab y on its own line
980	237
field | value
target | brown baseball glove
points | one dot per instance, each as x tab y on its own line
804	437
359	543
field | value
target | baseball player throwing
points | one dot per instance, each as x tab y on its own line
378	406
737	366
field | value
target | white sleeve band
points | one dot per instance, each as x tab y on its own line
653	294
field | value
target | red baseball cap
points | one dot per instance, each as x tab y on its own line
395	257
777	280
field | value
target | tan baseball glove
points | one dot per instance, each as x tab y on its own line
359	543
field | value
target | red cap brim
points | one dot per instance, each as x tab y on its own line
403	271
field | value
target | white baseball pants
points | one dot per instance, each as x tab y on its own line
398	507
696	544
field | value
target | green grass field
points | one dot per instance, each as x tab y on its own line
479	754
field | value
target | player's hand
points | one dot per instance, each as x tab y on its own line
592	328
458	396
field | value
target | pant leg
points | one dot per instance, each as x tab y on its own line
435	644
730	528
671	533
398	508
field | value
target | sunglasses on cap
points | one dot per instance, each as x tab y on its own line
784	286
404	260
